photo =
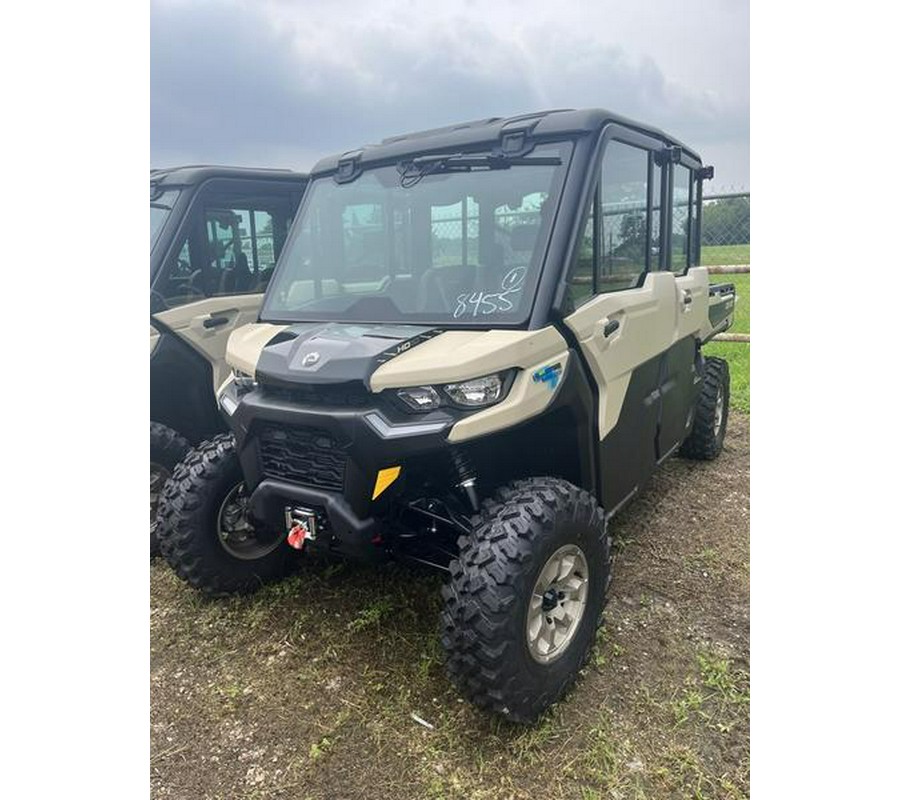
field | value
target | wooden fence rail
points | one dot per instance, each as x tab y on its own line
732	337
729	269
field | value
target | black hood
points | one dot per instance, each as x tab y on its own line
334	352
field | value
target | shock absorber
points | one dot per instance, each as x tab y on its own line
465	475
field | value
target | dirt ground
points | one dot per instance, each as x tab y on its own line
308	688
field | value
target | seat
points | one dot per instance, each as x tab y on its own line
243	278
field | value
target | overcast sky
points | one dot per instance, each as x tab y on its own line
284	82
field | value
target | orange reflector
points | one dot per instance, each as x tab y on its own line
385	478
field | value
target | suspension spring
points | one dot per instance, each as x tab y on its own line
465	475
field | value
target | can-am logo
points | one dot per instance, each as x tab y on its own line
310	359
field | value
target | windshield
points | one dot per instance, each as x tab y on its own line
160	206
453	242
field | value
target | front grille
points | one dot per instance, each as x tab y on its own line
307	456
352	395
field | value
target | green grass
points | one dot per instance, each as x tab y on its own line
737	354
717	674
724	254
372	614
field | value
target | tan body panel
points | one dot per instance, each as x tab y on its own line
461	355
527	398
693	317
247	342
187	322
651	319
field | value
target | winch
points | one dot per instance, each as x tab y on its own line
301	524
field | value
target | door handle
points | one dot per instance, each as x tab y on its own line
610	328
215	322
686	297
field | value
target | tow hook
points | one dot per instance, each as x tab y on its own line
301	526
297	536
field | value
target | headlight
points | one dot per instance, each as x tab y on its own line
420	398
476	393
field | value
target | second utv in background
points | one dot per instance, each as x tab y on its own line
215	234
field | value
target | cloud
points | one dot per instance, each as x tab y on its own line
282	84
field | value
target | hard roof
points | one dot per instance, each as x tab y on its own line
195	173
544	124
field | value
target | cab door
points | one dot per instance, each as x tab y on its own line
214	276
625	314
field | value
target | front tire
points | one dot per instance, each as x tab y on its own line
167	448
707	434
510	647
204	532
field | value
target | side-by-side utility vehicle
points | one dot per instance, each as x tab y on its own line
215	234
477	345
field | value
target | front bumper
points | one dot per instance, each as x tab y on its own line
327	456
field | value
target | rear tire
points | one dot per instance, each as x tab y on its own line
167	448
494	612
710	413
205	535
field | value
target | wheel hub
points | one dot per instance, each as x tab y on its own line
557	605
551	599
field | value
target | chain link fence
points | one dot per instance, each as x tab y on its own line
725	249
725	237
450	247
725	232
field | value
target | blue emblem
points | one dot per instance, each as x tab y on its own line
549	375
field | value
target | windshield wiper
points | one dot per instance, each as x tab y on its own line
411	172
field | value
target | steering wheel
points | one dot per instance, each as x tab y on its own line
157	302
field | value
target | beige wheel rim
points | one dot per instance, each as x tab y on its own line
720	411
557	604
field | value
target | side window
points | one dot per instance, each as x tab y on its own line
183	278
223	229
182	269
682	218
230	268
656	245
623	240
263	236
581	284
230	247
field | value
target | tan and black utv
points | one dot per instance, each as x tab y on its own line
215	233
478	344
